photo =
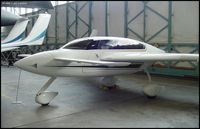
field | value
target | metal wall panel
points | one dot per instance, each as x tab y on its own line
98	14
116	18
135	21
186	21
154	22
83	8
51	28
61	27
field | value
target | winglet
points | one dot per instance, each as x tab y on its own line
94	33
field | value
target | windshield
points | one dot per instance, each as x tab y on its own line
104	44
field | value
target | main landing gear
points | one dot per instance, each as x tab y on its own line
44	97
108	83
151	90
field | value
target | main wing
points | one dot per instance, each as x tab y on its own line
145	57
124	59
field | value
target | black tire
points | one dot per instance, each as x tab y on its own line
151	97
45	104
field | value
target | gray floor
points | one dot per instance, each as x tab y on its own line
81	103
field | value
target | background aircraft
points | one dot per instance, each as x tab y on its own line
35	37
19	24
97	56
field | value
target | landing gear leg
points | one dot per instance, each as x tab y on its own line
108	83
44	97
151	90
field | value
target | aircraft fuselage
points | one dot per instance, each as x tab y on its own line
44	62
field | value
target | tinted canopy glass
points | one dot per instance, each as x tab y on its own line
104	44
112	44
79	45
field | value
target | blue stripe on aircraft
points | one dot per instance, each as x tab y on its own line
15	39
39	36
20	36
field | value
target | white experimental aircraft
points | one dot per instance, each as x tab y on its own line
96	56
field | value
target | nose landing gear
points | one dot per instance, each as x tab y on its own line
151	90
44	97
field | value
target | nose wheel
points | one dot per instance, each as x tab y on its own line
151	90
44	97
108	83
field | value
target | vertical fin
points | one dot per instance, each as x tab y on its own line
16	33
94	33
37	34
35	37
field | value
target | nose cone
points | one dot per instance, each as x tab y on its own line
19	64
27	64
34	63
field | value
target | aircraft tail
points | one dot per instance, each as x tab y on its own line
35	37
16	34
37	34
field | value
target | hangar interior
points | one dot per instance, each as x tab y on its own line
170	25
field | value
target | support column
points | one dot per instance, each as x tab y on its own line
90	18
56	18
125	19
144	26
67	22
106	18
76	19
169	46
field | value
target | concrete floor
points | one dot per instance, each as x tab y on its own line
81	103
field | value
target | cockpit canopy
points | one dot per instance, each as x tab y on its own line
90	44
